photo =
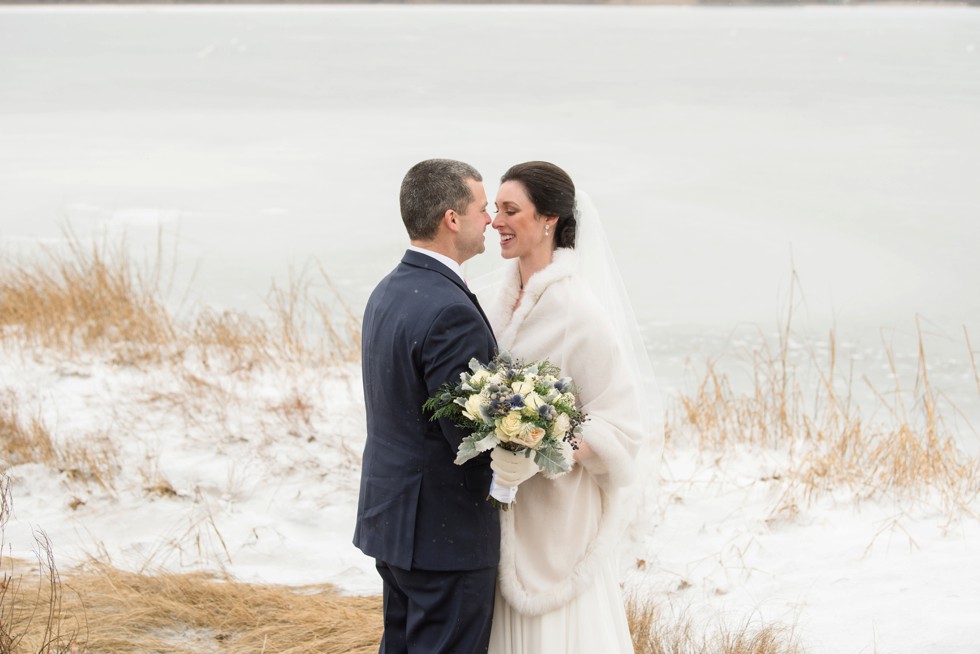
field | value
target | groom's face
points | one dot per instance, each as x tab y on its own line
471	239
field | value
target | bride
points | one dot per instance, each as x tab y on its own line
561	300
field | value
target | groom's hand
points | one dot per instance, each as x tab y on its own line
512	468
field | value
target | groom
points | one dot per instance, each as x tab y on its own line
425	520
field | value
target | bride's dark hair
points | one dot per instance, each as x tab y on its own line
552	192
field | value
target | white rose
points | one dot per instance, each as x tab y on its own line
509	427
534	401
522	387
560	426
479	377
472	407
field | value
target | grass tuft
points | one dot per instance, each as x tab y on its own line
98	608
32	616
23	440
96	299
157	613
654	631
106	610
805	411
87	298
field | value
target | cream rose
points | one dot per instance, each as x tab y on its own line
509	427
472	408
529	436
522	387
560	426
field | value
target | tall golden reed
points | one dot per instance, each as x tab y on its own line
88	297
22	440
828	443
95	298
656	632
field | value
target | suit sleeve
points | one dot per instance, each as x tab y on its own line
457	335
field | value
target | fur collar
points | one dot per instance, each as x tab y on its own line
506	320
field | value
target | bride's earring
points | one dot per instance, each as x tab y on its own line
546	228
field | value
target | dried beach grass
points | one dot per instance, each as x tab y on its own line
655	632
109	611
126	612
808	413
23	440
91	459
31	615
98	608
105	610
95	298
86	298
91	300
303	328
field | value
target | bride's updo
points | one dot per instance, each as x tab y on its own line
553	194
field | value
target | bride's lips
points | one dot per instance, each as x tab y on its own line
506	238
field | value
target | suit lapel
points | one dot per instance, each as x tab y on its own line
419	260
476	303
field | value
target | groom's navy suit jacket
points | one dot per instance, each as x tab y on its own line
417	509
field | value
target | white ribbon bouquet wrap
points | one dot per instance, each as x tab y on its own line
521	407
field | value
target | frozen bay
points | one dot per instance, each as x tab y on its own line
718	143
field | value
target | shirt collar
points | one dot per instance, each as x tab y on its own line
441	258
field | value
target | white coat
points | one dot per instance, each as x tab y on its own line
560	530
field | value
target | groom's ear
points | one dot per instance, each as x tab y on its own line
451	220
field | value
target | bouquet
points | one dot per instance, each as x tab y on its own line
522	407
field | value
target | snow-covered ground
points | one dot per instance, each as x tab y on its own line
256	473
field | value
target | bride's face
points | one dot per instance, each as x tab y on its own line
521	228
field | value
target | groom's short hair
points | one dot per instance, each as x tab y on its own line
430	189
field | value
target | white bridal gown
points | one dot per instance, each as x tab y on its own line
593	623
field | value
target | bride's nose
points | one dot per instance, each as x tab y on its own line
496	222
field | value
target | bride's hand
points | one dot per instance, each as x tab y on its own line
512	468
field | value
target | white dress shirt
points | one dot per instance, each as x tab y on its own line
441	258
